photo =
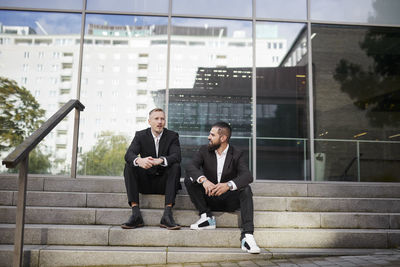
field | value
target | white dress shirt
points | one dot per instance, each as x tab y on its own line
156	144
220	166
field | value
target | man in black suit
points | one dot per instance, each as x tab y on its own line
217	179
153	167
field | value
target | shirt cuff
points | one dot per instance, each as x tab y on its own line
234	187
135	163
198	179
165	163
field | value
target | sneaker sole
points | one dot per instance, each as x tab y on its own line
177	227
204	228
124	226
251	252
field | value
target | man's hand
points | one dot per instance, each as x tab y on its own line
208	186
157	161
219	189
145	163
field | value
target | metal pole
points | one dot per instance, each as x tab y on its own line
75	139
358	162
20	216
74	159
310	94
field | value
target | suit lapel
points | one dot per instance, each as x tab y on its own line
161	145
228	162
150	141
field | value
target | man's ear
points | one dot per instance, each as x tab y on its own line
223	138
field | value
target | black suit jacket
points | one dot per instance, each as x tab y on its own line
235	168
143	145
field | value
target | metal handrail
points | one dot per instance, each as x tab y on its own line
20	156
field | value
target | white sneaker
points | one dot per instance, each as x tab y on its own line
249	244
204	222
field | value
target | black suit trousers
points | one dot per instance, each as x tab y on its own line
139	180
230	201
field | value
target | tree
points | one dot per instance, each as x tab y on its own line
106	157
20	114
375	88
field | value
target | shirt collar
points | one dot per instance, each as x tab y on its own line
157	137
223	152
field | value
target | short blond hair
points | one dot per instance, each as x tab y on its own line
156	110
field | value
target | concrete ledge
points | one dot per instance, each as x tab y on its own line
30	255
101	256
196	255
54	199
10	182
104	185
40	234
129	256
357	190
50	215
6	198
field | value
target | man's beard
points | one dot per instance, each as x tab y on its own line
213	147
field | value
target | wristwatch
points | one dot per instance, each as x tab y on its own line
205	179
230	184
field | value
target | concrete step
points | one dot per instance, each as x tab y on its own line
269	219
127	256
119	200
260	188
99	235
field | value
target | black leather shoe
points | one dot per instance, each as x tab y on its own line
167	221
134	221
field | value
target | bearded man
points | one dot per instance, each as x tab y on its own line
217	179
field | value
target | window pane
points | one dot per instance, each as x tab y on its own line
364	11
380	162
281	60
154	6
124	68
335	161
356	83
288	9
40	51
240	8
56	4
210	77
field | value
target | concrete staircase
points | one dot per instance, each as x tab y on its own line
75	222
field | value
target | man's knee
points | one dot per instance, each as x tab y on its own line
246	191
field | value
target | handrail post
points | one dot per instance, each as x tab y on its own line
74	160
20	215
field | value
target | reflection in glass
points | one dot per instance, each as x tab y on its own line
336	161
124	68
40	51
288	9
240	8
379	162
356	83
281	100
56	4
210	77
364	11
154	6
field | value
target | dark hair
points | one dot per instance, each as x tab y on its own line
155	110
224	129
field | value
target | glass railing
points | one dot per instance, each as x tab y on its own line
357	160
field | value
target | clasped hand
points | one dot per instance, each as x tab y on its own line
215	189
148	162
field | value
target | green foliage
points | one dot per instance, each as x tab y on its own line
106	157
375	88
38	163
20	114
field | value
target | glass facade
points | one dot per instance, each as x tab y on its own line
311	88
